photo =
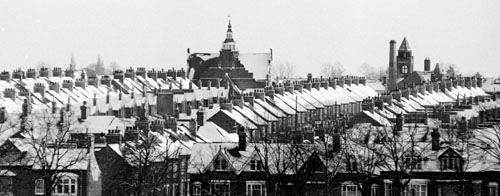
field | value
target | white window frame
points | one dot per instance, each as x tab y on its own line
492	189
197	189
374	190
477	186
387	188
221	182
250	185
404	69
344	189
71	181
413	162
454	162
218	162
39	186
255	165
420	189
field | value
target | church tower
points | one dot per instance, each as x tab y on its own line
228	57
404	60
229	43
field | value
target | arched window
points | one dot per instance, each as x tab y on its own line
39	187
67	184
404	69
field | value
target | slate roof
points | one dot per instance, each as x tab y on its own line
279	157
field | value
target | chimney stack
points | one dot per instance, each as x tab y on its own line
141	71
31	73
25	108
83	111
391	83
396	95
269	91
242	139
3	115
427	64
259	94
435	139
249	98
368	105
10	93
44	72
5	76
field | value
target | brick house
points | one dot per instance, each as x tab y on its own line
22	173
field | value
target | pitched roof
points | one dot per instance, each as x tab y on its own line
404	45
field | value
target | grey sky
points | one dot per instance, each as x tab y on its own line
304	33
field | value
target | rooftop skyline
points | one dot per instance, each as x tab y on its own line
157	33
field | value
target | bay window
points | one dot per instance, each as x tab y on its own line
493	189
256	188
197	188
221	188
350	190
66	185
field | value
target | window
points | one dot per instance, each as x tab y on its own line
6	185
413	162
256	189
477	188
416	190
350	190
66	186
388	189
220	188
374	190
448	163
197	189
39	187
255	165
220	163
351	165
404	69
492	189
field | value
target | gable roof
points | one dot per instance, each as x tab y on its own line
404	45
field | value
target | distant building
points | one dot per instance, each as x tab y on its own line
401	68
247	70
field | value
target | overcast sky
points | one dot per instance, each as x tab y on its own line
304	33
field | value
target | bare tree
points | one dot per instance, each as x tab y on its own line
113	66
42	64
283	70
97	68
332	70
154	158
370	72
48	135
400	152
362	156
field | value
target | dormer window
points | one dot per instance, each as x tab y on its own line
450	160
413	162
450	163
351	165
220	164
255	165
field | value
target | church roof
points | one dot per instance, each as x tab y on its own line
416	77
404	45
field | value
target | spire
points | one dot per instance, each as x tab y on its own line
404	45
72	63
437	70
229	43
